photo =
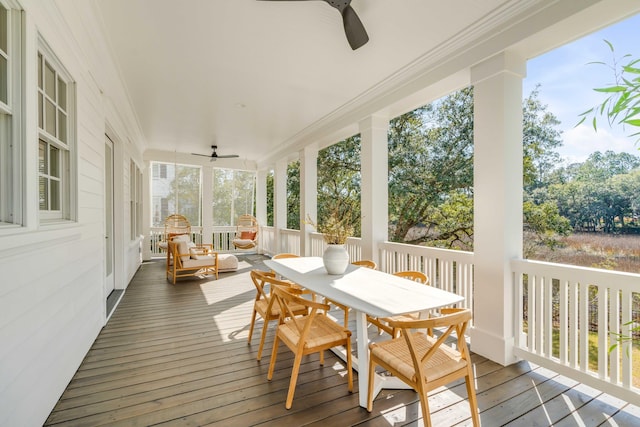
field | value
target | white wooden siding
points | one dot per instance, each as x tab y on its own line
51	278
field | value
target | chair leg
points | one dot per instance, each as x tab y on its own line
349	366
346	317
263	336
424	402
253	322
294	379
471	393
274	354
321	357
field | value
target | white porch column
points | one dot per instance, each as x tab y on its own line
497	201
308	195
261	203
207	204
280	201
375	184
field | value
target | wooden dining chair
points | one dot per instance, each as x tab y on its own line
311	333
366	263
264	282
362	263
382	323
424	362
284	255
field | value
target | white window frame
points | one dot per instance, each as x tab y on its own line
135	200
12	127
64	141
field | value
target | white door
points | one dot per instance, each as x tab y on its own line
109	283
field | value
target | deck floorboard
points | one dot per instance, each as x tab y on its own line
177	355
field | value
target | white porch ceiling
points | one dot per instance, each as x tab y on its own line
259	78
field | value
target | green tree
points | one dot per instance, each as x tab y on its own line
293	195
430	156
270	199
185	193
543	222
539	140
339	182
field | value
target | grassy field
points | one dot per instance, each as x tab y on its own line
598	250
593	354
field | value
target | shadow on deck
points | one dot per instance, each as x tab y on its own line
178	354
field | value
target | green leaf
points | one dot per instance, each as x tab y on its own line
632	70
581	121
634	122
595	127
610	89
609	44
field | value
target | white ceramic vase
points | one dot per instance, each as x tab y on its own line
336	259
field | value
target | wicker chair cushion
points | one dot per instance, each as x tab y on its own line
396	353
323	331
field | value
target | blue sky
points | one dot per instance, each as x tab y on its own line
567	81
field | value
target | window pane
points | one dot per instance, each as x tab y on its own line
54	162
62	126
54	195
40	107
4	80
49	81
42	158
40	71
43	194
4	29
62	94
50	117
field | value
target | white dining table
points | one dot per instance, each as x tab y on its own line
366	291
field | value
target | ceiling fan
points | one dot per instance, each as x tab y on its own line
354	30
214	155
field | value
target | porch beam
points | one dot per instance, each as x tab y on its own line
497	201
280	201
207	205
261	203
375	184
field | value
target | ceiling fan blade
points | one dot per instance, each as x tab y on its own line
203	155
227	156
354	30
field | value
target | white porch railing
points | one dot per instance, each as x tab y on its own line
447	269
221	238
268	239
562	311
289	241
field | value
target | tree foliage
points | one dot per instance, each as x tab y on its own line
184	192
430	157
431	179
339	183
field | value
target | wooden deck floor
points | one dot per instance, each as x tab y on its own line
178	355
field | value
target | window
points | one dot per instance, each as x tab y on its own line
56	154
135	200
11	121
176	189
233	195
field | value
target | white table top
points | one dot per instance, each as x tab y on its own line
370	291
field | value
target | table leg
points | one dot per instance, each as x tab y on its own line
362	347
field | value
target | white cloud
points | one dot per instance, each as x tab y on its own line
581	141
